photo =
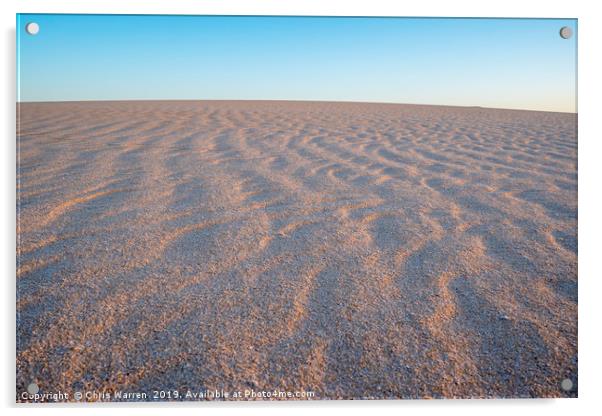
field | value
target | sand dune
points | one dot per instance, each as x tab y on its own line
355	250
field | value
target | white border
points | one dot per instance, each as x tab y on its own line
590	137
469	8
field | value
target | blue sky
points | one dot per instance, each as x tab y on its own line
503	63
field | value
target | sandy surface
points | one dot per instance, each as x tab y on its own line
355	250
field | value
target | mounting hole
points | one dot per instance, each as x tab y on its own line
567	384
33	388
566	32
32	28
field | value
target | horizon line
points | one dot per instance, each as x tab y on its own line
296	100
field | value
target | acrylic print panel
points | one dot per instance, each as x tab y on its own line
295	208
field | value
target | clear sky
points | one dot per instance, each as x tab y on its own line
504	63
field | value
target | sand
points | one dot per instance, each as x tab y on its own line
354	250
